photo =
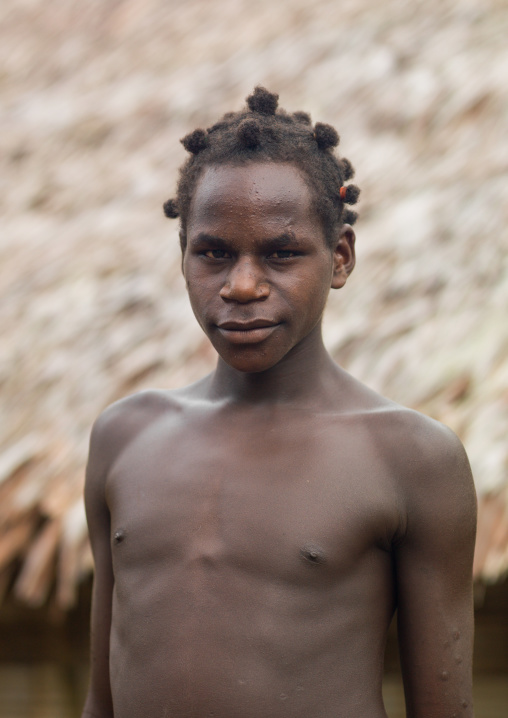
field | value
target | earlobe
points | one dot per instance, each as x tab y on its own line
343	256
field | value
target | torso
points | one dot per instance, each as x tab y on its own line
252	563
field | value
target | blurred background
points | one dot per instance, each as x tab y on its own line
94	98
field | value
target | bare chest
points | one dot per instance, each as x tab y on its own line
278	498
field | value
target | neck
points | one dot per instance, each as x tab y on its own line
304	376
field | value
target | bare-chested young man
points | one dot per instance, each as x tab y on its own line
254	533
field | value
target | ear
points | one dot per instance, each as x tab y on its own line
183	247
343	256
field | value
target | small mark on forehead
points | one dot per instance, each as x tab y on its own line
313	554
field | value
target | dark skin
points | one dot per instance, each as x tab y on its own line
254	533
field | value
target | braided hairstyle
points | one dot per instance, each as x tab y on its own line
262	132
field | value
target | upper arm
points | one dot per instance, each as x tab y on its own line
434	578
99	701
111	433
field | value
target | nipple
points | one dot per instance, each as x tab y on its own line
119	536
313	554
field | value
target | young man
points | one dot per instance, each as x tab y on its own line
254	533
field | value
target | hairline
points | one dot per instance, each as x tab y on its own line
240	160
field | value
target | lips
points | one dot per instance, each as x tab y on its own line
251	332
247	326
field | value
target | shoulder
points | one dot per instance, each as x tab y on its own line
429	475
432	472
417	437
422	447
412	444
122	422
407	439
133	411
427	462
126	417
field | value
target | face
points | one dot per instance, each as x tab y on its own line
257	266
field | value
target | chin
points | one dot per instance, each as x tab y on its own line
247	362
249	367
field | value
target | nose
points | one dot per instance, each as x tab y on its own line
244	283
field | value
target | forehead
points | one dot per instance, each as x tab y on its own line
266	193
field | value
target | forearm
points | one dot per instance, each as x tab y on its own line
91	711
436	646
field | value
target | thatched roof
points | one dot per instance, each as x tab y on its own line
95	96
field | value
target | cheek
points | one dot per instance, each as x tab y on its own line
198	281
198	295
315	305
197	287
311	291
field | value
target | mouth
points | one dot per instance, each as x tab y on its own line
251	332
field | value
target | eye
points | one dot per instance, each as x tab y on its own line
217	254
282	254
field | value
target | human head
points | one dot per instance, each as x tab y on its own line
257	265
262	132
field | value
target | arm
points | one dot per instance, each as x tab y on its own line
99	702
112	432
434	578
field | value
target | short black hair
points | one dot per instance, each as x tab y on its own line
263	132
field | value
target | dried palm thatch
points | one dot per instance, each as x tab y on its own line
95	97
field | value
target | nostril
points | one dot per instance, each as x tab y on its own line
244	287
225	290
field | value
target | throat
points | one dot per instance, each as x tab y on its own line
302	377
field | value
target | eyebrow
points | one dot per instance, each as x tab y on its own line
280	241
205	238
